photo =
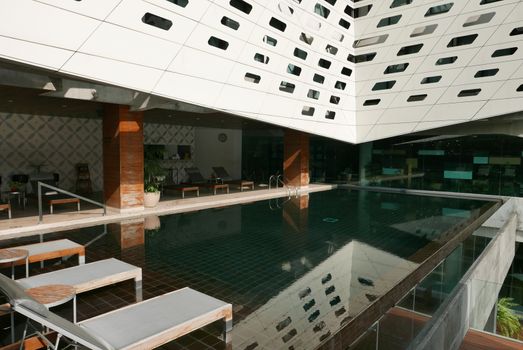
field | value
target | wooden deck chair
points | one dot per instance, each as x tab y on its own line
145	325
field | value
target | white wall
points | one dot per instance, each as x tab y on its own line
209	151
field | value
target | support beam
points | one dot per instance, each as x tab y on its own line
296	158
123	158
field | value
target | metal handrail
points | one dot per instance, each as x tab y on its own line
42	184
270	181
279	178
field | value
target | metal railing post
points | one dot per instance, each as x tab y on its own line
40	214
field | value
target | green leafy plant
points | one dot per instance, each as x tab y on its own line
15	185
507	321
154	175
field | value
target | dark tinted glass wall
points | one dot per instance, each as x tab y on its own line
488	164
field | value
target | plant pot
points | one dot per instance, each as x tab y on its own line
151	199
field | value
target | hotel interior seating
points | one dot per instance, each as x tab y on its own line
89	276
196	178
223	176
144	325
61	248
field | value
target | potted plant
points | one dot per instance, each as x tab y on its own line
15	186
154	175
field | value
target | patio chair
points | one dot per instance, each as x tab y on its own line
90	276
61	248
196	178
224	176
145	325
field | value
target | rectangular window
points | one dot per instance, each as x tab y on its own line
322	10
416	98
300	53
226	21
308	39
411	49
446	60
516	31
469	93
219	43
270	40
252	78
366	57
334	100
323	63
330	115
308	111
157	21
318	78
287	87
340	85
344	23
373	102
346	71
398	3
181	3
388	21
431	80
241	5
439	9
261	58
314	94
479	19
486	73
425	30
396	68
276	23
462	40
384	85
505	52
292	69
375	40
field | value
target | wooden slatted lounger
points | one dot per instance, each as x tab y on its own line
90	276
6	207
52	250
145	325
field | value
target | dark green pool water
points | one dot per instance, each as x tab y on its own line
298	271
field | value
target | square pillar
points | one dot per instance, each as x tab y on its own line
123	158
296	158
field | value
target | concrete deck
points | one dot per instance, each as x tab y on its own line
69	219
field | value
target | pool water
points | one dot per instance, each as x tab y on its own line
296	271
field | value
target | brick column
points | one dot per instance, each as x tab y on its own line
123	158
296	158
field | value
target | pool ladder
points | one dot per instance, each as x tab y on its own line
278	180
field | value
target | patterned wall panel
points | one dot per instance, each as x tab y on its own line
354	71
58	143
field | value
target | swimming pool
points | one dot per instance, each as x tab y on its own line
297	270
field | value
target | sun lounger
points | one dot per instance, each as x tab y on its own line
223	175
183	189
61	248
6	207
89	276
145	325
196	178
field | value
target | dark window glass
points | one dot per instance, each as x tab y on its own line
292	69
398	3
516	31
346	71
181	3
439	9
373	102
504	52
300	53
287	87
157	21
323	63
411	49
384	85
486	73
344	23
468	93
219	43
241	5
446	60
416	98
431	80
462	40
276	23
318	78
389	21
396	68
330	115
226	21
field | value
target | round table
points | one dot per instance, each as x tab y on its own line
11	255
53	295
